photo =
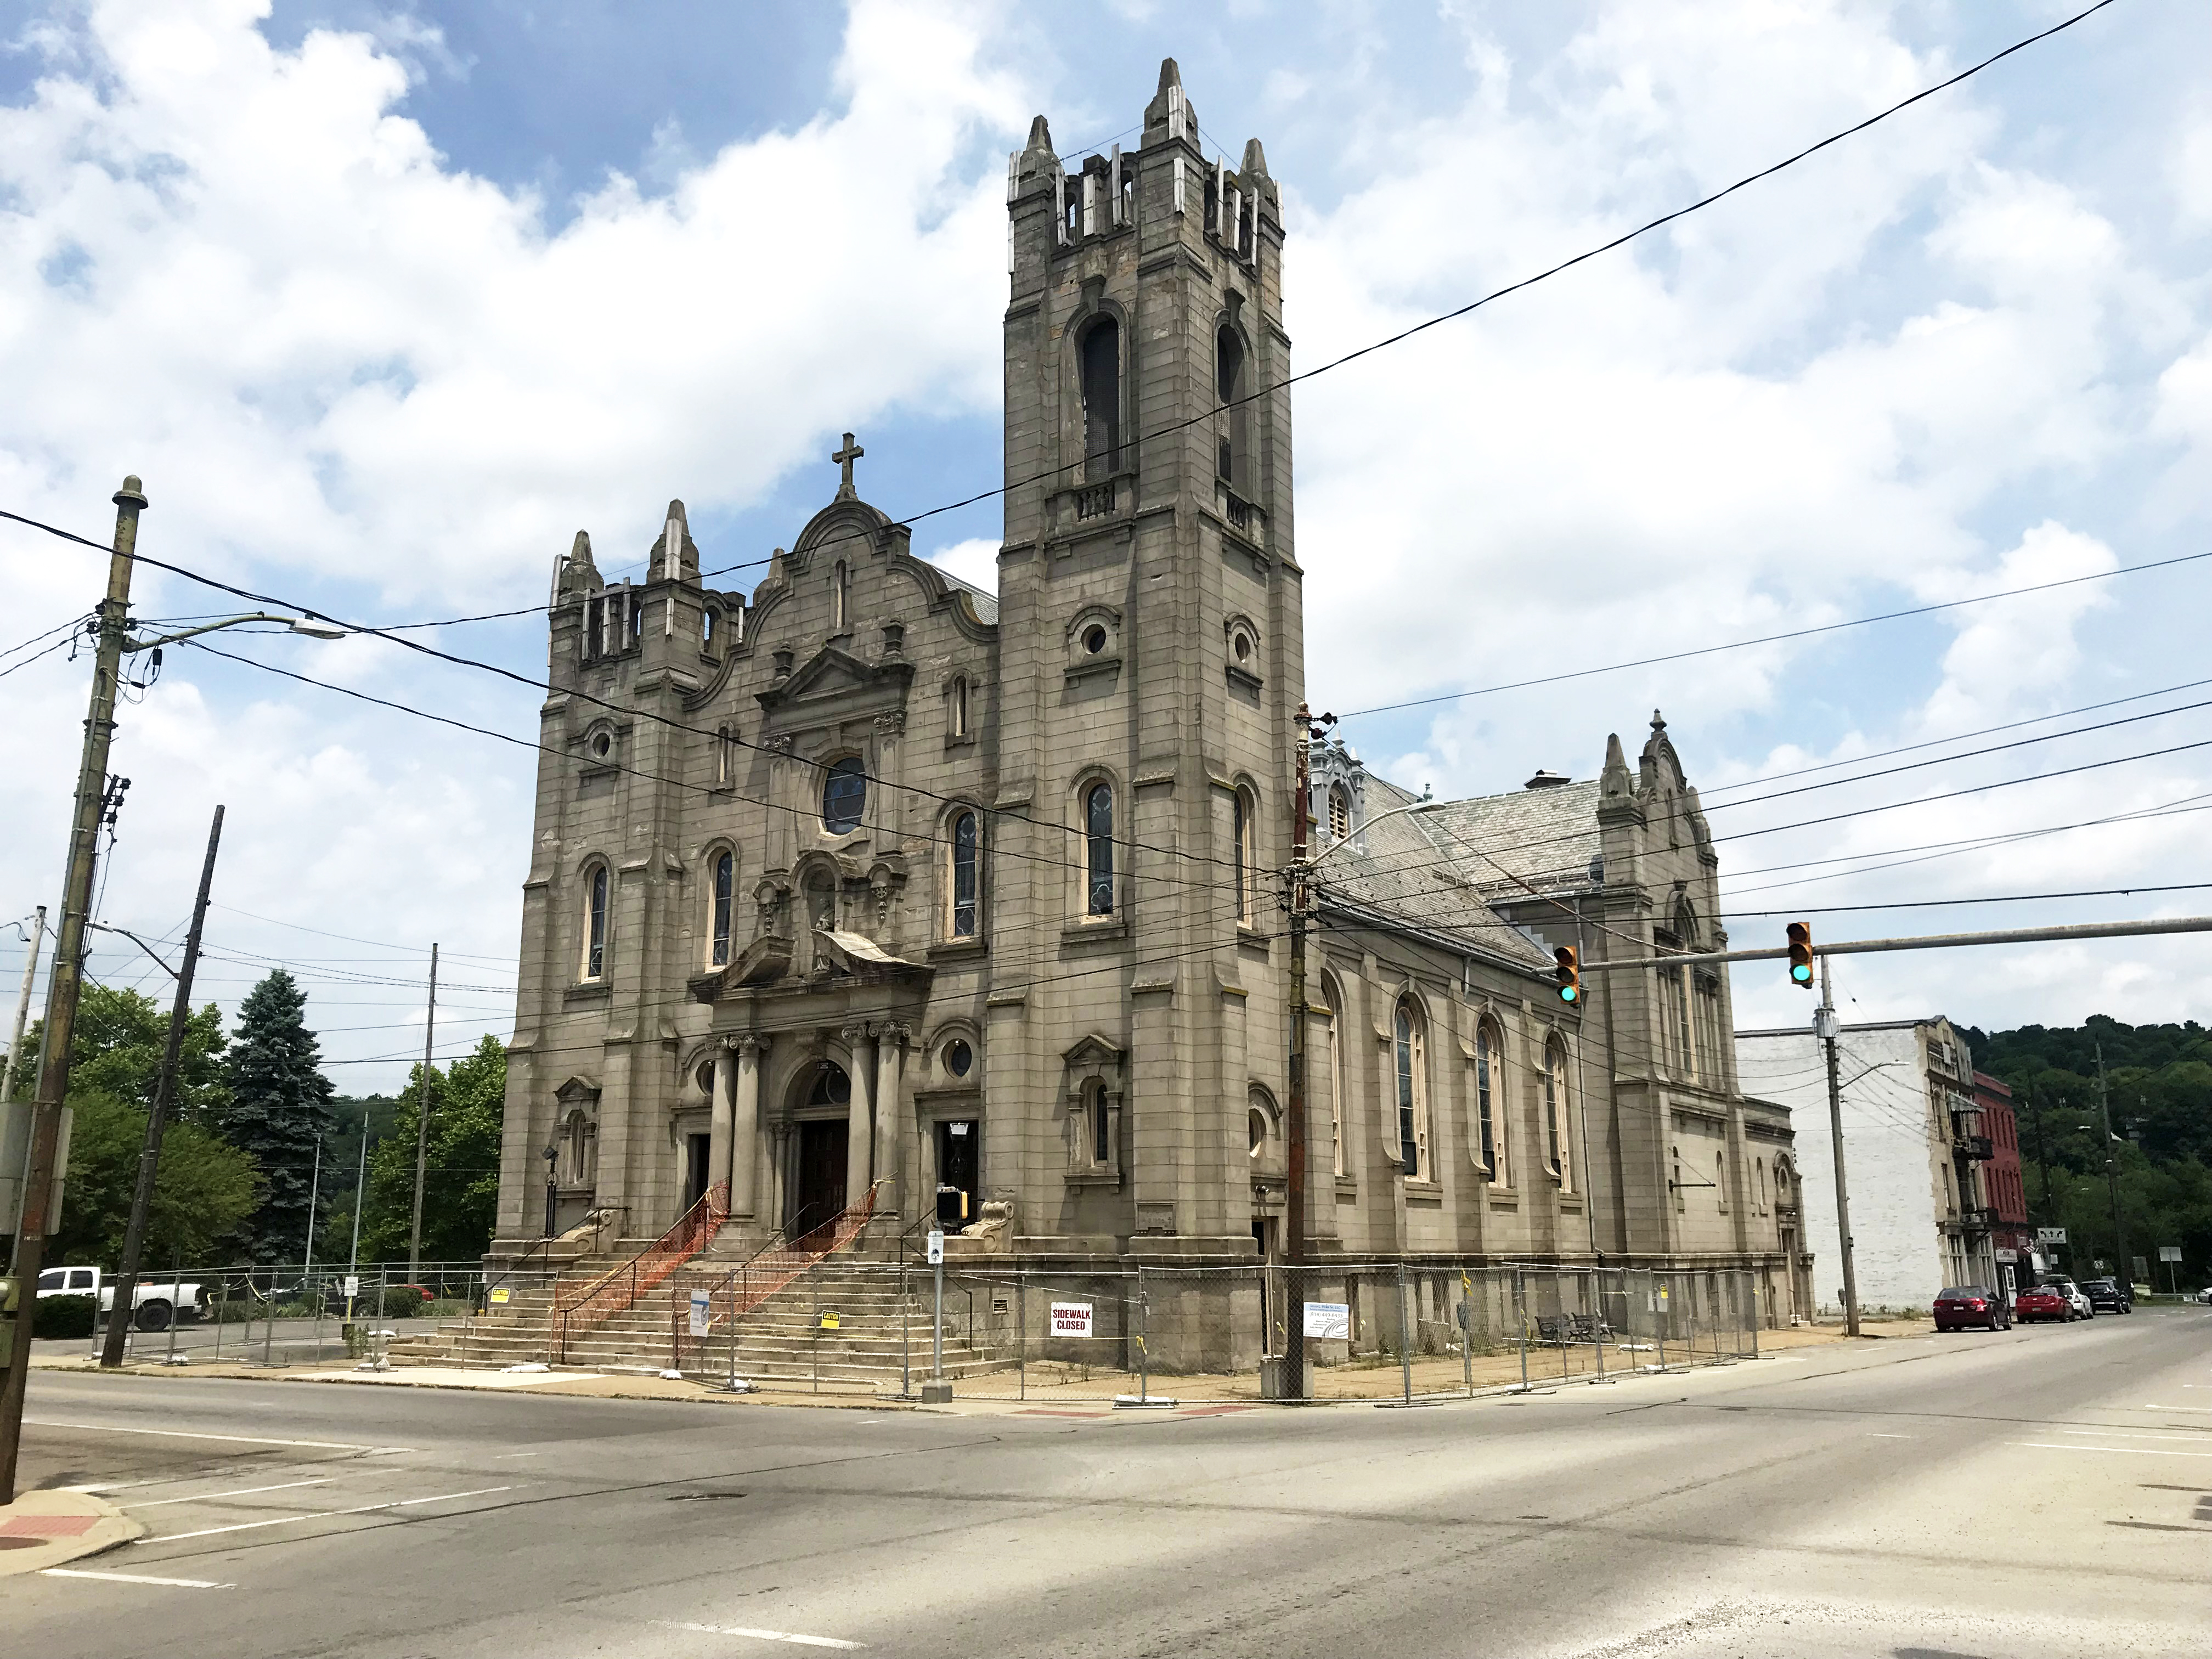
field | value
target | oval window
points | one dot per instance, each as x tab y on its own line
1094	639
959	1058
844	795
602	746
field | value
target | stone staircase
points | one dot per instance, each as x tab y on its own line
879	1337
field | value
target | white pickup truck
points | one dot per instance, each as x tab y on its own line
155	1305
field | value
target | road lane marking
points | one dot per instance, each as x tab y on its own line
239	1439
2172	1436
2140	1451
761	1635
322	1515
242	1492
1889	1436
2179	1408
135	1578
210	1531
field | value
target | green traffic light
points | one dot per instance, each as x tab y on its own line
1801	972
1568	993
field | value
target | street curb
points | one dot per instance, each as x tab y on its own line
108	1526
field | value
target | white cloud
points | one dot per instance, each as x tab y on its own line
974	562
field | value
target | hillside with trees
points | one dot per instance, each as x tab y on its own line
2157	1083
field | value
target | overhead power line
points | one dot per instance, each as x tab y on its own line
1769	639
1987	898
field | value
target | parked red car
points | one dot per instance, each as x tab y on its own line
2042	1303
1961	1305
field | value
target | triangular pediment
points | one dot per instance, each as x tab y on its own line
577	1091
830	672
1092	1050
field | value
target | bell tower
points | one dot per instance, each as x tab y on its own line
1151	645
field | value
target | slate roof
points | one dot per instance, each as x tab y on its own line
1546	837
1403	873
985	604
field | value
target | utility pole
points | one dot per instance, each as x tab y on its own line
165	1091
23	1007
1294	1163
1824	1025
314	1192
422	1124
2123	1267
2042	1155
360	1194
63	984
14	1064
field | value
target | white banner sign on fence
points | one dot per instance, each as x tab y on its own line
1331	1321
703	1313
1070	1319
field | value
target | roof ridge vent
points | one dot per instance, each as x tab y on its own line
1547	780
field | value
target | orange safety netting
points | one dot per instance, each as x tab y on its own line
578	1308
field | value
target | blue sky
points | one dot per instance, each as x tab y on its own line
384	303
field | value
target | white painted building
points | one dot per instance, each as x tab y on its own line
1914	1150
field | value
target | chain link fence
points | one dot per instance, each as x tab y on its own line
1085	1337
280	1313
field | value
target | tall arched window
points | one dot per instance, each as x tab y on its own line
1099	833
840	582
1485	1106
1720	1180
595	922
1556	1150
956	719
1231	424
1335	1038
722	886
966	854
844	796
1413	1091
1246	860
1759	1173
1102	399
1340	812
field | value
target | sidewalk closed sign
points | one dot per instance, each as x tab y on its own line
1330	1320
1070	1319
703	1314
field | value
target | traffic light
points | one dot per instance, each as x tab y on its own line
1570	974
1801	956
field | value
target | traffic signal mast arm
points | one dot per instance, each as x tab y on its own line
1927	942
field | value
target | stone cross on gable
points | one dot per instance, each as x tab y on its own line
845	457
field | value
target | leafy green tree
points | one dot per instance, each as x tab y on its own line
2157	1080
279	1107
203	1187
460	1182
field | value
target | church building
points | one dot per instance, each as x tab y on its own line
866	882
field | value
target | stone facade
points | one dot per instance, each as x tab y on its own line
868	877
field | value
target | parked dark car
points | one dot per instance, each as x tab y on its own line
2110	1296
2043	1301
1960	1305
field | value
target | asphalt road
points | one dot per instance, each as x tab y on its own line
2047	1492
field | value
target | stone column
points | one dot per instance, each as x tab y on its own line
718	1121
859	1124
745	1123
890	1074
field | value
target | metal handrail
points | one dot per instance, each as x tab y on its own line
618	1291
798	1255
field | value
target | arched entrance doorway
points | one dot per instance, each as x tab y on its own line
819	1194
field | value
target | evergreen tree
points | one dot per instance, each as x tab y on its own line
460	1180
279	1106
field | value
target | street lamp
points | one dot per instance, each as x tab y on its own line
552	1187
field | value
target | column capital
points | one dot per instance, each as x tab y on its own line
857	1031
749	1046
893	1030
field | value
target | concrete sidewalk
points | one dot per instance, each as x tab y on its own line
1433	1376
44	1529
